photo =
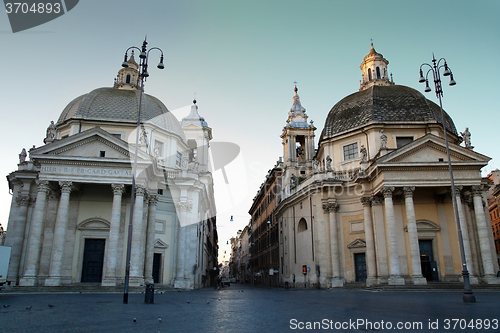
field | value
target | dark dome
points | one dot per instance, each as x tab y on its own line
120	105
382	104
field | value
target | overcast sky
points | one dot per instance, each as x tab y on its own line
241	58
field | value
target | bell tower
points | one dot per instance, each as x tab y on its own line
374	70
298	136
128	77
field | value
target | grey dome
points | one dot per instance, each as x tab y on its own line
382	104
120	105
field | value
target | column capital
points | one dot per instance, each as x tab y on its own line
43	186
408	191
153	198
118	189
331	207
387	191
440	198
377	200
458	190
366	201
140	191
477	190
65	186
23	200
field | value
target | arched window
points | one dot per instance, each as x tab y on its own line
378	73
128	79
369	74
302	225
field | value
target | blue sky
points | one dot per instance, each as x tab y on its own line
241	59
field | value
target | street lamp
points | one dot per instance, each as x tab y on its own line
143	73
468	296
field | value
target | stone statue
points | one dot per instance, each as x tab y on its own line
51	133
143	138
383	140
466	136
184	162
315	166
300	153
328	163
364	154
293	181
22	156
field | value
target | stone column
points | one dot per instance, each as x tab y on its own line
482	231
371	270
35	236
465	234
180	279
332	208
392	239
137	258
150	238
16	240
113	238
380	239
416	267
59	235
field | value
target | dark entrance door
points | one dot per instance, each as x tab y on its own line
93	260
360	264
429	266
156	267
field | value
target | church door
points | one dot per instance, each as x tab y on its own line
93	260
429	266
156	267
360	264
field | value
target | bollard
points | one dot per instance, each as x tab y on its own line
149	298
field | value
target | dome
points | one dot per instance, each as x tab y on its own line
382	104
120	105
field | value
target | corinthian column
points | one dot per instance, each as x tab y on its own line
465	234
16	239
150	238
114	233
392	238
332	208
416	267
371	270
59	235
482	231
137	257
35	237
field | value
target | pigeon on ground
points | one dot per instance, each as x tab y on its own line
51	306
28	308
159	319
208	302
135	320
6	305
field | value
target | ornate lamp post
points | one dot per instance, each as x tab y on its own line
468	296
143	72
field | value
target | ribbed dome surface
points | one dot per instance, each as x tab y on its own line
119	105
382	104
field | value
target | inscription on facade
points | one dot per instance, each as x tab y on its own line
86	171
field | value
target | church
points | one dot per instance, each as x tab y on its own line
71	197
372	203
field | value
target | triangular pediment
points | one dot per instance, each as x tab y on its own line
356	244
88	144
160	244
431	149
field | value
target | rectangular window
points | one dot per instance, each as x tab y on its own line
403	140
351	151
158	149
102	153
179	159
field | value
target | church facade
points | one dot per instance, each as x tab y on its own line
71	211
372	203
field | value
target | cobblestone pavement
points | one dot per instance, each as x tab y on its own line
240	308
